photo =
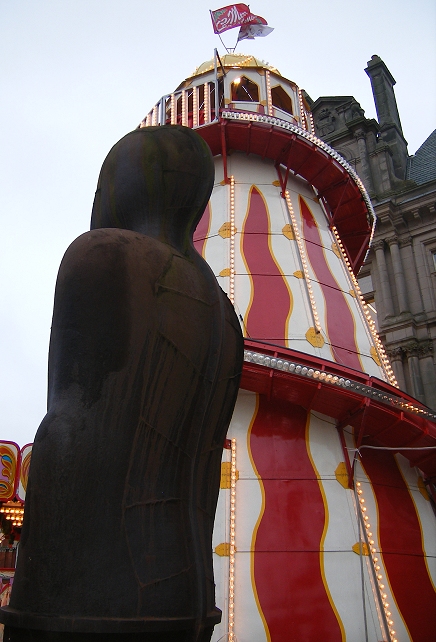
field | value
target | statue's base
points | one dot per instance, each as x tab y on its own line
12	634
29	627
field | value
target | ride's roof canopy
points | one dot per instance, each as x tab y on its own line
235	60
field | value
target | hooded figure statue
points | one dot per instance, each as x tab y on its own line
144	366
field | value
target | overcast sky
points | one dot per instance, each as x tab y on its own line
76	75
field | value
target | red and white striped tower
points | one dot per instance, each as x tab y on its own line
314	539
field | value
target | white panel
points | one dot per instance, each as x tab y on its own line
297	185
344	577
251	170
248	622
216	251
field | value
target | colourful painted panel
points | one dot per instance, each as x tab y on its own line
26	453
287	564
401	546
340	325
202	230
270	291
9	459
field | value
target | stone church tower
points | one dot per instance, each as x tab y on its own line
399	277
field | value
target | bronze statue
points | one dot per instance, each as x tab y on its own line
144	366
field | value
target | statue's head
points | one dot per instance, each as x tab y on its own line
157	181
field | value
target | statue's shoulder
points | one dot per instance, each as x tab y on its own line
108	237
99	249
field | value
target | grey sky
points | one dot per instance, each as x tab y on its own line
76	75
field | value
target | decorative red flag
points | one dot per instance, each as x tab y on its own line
235	15
257	26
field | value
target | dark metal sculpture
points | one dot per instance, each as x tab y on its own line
144	366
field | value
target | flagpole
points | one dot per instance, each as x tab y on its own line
219	36
237	40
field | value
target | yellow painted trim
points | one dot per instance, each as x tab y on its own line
422	489
225	230
324	533
375	356
301	198
226	473
341	475
299	274
360	548
259	519
225	272
223	549
288	232
314	338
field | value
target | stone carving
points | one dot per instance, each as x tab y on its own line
395	354
425	349
406	241
392	240
144	366
411	348
378	245
326	122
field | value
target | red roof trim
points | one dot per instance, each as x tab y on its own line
385	424
306	159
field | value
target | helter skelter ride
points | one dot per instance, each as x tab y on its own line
324	528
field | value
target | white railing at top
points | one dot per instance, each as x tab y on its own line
191	107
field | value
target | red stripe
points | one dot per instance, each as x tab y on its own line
270	292
201	230
287	567
339	320
401	546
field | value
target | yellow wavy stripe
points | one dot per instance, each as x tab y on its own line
324	532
